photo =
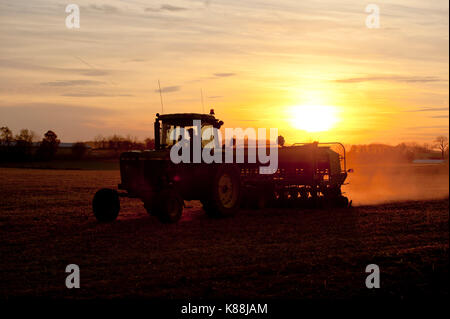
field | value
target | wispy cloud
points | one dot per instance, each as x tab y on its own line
429	127
92	72
224	75
169	89
440	116
71	83
166	7
430	109
20	65
105	8
393	78
93	94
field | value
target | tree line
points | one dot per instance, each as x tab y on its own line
27	146
19	147
120	143
403	152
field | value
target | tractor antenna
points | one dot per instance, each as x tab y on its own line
160	95
203	103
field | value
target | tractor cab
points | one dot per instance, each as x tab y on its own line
168	127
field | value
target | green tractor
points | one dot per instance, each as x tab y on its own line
306	173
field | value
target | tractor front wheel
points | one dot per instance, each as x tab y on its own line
225	197
106	205
169	207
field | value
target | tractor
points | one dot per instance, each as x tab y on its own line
307	174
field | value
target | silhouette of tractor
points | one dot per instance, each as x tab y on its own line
307	175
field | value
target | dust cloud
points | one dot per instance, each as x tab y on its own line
381	183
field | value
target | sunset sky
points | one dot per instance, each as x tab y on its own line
258	62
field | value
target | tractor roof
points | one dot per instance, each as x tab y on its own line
185	119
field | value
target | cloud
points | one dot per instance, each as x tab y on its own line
430	109
93	94
151	10
440	116
106	8
224	75
92	72
429	127
19	65
81	110
71	83
168	89
166	7
135	60
394	78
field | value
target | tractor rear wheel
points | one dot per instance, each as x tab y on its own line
334	197
342	201
151	208
225	197
255	198
106	205
261	201
169	207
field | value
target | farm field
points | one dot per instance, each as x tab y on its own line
46	223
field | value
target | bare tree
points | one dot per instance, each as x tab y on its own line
26	136
442	144
149	143
100	142
6	136
24	144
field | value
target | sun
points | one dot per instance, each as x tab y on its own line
313	118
